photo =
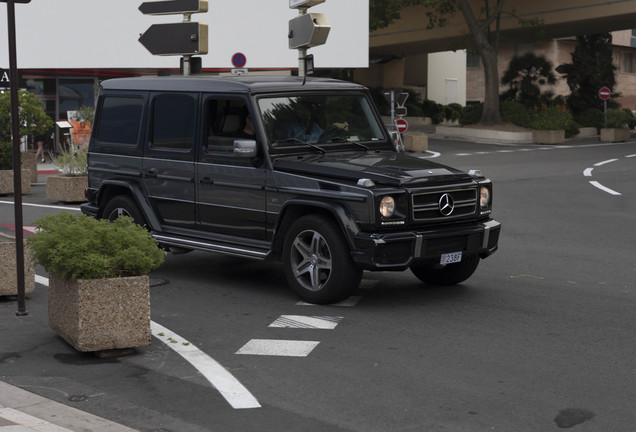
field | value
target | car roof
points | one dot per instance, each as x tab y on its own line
233	84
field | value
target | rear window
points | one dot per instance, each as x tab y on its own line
120	120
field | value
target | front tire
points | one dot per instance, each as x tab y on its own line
450	274
123	205
317	262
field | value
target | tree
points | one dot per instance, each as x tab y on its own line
32	119
525	76
590	70
483	28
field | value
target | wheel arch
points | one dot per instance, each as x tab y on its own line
294	209
113	188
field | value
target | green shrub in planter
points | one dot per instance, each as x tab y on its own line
619	118
591	117
554	118
81	247
70	163
6	156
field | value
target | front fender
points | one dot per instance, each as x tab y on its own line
112	188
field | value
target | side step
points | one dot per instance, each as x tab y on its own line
184	243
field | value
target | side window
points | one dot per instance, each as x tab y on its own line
173	122
226	121
120	120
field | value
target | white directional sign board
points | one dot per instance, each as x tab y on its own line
101	34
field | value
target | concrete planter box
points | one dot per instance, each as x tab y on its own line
66	188
6	181
101	314
614	134
415	142
8	269
548	136
29	162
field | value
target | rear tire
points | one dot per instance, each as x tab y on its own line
123	205
450	274
317	261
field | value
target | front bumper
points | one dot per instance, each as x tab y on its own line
396	251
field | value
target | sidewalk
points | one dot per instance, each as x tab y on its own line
23	411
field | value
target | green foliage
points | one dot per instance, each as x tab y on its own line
81	247
70	163
554	118
471	114
433	110
452	112
591	117
6	156
515	113
33	121
591	69
620	118
525	77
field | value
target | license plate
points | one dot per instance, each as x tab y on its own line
449	258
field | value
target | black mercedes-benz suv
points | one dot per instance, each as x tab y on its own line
302	171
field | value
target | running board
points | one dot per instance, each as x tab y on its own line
210	247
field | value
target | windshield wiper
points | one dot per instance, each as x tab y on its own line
299	141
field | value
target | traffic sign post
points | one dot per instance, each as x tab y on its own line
185	38
401	125
605	93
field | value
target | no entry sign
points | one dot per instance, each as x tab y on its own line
402	125
604	93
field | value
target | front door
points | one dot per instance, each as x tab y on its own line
231	190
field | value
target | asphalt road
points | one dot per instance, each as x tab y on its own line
541	338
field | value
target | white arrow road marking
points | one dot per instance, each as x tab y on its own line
603	188
306	322
275	347
233	391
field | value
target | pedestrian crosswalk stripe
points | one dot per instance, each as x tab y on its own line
306	322
276	347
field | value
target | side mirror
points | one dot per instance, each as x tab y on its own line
244	148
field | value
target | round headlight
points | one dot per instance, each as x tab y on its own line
484	197
387	206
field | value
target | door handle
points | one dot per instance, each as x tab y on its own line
152	172
206	180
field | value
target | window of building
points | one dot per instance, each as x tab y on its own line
75	93
173	121
628	63
473	60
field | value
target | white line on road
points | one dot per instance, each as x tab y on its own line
43	206
229	387
277	347
588	172
605	162
307	322
603	188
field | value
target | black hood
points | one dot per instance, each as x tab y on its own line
386	168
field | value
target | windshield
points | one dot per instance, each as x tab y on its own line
320	121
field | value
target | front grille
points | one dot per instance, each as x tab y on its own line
426	205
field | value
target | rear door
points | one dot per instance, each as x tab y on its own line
168	166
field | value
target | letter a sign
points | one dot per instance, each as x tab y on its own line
4	78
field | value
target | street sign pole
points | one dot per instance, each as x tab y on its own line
17	172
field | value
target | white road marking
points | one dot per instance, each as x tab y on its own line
603	188
229	387
605	162
588	172
306	322
276	347
43	206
